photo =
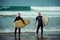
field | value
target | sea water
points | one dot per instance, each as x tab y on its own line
6	22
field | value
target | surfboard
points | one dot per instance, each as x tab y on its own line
20	24
45	20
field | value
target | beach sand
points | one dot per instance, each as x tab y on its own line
31	36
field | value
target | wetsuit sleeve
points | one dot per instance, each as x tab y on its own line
15	19
36	18
22	20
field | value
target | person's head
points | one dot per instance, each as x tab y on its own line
39	14
18	14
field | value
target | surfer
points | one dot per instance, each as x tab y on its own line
40	23
16	19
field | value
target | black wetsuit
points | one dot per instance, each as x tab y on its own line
19	18
16	19
40	24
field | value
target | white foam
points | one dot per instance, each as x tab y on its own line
27	30
46	8
32	14
5	7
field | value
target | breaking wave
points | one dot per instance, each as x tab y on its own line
45	8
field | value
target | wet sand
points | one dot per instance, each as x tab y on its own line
31	36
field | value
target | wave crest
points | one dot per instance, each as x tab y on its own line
46	8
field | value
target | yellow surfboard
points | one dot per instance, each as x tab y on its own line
45	20
20	24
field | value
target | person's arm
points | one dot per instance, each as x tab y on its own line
35	21
15	19
22	20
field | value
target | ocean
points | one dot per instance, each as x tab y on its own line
53	13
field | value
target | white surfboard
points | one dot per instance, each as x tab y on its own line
45	20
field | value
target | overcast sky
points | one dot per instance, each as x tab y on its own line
29	2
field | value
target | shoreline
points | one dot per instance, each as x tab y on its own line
30	36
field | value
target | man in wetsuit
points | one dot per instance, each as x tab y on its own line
40	23
16	19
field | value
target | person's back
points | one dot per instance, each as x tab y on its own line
19	18
40	23
39	19
16	19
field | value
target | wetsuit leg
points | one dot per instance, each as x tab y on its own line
15	32
19	31
37	28
41	30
